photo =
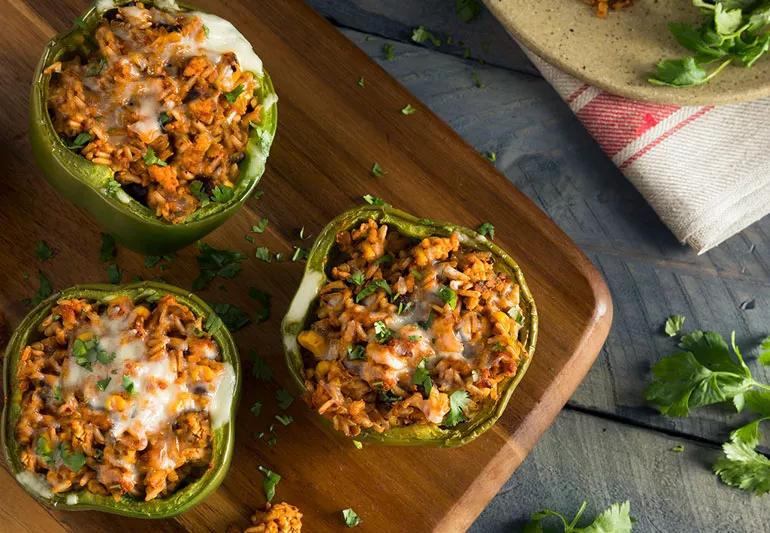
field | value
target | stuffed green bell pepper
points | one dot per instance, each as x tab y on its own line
407	331
154	118
120	399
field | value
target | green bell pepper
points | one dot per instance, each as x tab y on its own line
91	186
223	436
302	307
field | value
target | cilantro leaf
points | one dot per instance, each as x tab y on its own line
44	290
285	419
300	254
408	110
260	226
447	295
704	374
102	384
213	262
764	351
108	249
270	482
421	377
263	299
73	461
382	332
356	278
673	325
263	253
259	367
373	200
43	252
744	467
361	82
372	287
458	401
233	95
467	10
151	159
80	140
231	316
356	352
114	274
389	52
420	35
256	408
222	194
128	385
197	190
486	229
350	517
377	170
284	398
615	519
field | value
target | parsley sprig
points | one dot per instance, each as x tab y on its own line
705	372
731	31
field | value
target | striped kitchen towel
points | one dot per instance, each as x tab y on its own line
704	169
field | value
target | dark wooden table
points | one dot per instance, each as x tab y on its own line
607	445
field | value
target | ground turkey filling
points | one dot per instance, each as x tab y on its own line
170	117
116	398
409	332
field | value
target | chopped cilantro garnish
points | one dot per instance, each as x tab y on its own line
128	385
372	287
350	517
80	141
260	226
415	338
222	194
448	296
73	461
458	401
377	170
403	307
151	159
408	110
232	317
233	95
263	299
420	35
285	419
284	398
57	393
43	252
108	249
94	69
382	332
114	274
269	483
492	156
197	190
467	10
259	367
373	200
213	262
256	408
356	352
361	81
358	444
300	254
102	384
421	377
389	52
164	118
673	325
263	253
356	278
515	313
476	79
486	229
213	323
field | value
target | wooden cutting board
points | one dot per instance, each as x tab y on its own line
330	133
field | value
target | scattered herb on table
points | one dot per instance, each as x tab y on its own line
285	419
389	52
284	398
615	519
673	325
44	289
361	82
43	252
408	109
107	250
259	367
476	80
350	517
270	482
492	156
377	170
420	35
487	230
300	254
213	262
731	31
263	254
256	408
260	226
705	372
114	274
467	10
232	317
373	200
678	448
263	299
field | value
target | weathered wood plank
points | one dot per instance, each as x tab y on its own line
546	153
668	491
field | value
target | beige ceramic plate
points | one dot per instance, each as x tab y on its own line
618	53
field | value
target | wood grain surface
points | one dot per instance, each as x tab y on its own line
548	155
331	131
